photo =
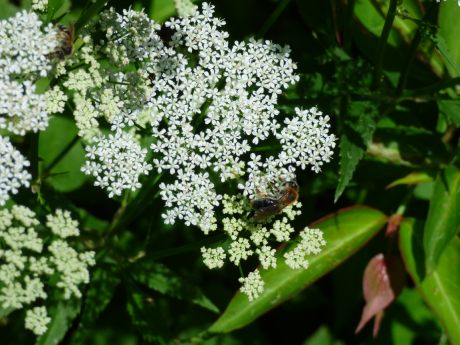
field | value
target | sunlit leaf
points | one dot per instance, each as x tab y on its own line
440	288
449	44
373	20
443	220
411	179
451	110
66	175
161	10
345	232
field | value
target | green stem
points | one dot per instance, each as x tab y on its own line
266	148
273	17
240	268
61	155
408	61
429	90
127	213
381	47
348	25
187	248
34	159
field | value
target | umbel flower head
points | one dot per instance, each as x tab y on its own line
34	262
13	173
210	107
24	58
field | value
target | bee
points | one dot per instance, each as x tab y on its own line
65	38
267	205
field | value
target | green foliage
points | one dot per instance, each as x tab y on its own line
395	108
443	221
160	278
62	315
358	131
62	173
448	26
104	282
345	232
440	287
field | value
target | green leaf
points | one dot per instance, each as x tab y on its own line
53	8
412	146
357	133
411	319
8	9
443	220
62	316
66	175
161	10
448	42
160	278
323	336
345	232
5	312
151	316
440	288
411	179
103	283
451	110
370	17
89	13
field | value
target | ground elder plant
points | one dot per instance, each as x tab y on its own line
37	258
159	157
208	104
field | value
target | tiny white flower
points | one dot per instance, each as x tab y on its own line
117	162
12	170
37	320
239	250
28	262
61	224
266	256
252	285
213	257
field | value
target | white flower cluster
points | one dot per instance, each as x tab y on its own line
210	108
112	92
39	5
13	173
253	285
311	243
25	47
30	258
37	320
212	103
116	161
250	238
208	104
24	58
185	8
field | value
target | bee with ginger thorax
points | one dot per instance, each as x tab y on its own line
65	37
267	205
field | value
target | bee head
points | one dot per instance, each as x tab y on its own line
291	184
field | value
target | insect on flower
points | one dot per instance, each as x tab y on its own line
267	205
65	37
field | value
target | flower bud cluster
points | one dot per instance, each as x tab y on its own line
35	262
